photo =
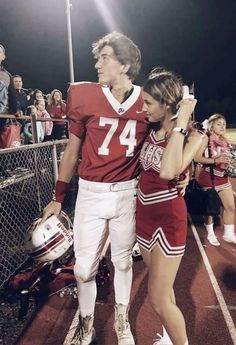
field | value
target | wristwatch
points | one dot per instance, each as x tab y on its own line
180	130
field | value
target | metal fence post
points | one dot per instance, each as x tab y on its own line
54	162
35	138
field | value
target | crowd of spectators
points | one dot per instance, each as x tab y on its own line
20	102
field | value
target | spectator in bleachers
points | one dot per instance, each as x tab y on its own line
21	96
37	95
47	98
22	101
42	113
8	102
27	131
57	109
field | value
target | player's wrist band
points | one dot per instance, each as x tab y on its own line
60	190
180	130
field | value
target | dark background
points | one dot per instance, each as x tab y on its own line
195	38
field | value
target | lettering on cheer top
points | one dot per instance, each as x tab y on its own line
151	156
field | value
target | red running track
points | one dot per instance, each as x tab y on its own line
205	291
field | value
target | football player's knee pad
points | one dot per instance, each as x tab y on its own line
123	264
84	273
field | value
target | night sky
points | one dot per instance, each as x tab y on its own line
195	38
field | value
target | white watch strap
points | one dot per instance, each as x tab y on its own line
180	130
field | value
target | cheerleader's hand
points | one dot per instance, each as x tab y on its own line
222	159
186	108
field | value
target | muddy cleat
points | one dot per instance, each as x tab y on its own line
162	340
136	253
122	326
85	332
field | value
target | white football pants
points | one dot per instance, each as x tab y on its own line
102	206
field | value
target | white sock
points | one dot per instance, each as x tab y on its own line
209	229
87	293
122	285
167	338
166	335
228	230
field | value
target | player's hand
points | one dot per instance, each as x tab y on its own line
53	207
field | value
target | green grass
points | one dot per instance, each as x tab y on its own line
231	134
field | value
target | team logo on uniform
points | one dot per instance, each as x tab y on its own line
151	156
121	110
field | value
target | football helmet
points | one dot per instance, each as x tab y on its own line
51	239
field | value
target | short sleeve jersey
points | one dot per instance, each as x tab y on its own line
112	133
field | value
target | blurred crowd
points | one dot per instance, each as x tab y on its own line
20	102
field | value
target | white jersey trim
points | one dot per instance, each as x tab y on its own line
121	108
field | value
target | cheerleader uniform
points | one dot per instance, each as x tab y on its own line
221	181
161	215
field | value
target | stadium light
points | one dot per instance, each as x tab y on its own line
106	15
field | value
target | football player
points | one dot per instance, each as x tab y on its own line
107	124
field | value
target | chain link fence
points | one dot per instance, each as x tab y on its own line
27	176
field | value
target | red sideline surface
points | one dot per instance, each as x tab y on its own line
206	324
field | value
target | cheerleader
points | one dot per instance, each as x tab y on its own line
161	216
215	151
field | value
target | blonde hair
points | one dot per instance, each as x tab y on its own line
212	120
3	49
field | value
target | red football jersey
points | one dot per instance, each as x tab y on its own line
112	133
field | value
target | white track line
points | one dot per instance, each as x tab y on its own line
228	319
72	329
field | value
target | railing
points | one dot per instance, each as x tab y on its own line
27	176
33	121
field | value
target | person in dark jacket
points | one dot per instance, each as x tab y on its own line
8	101
22	97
